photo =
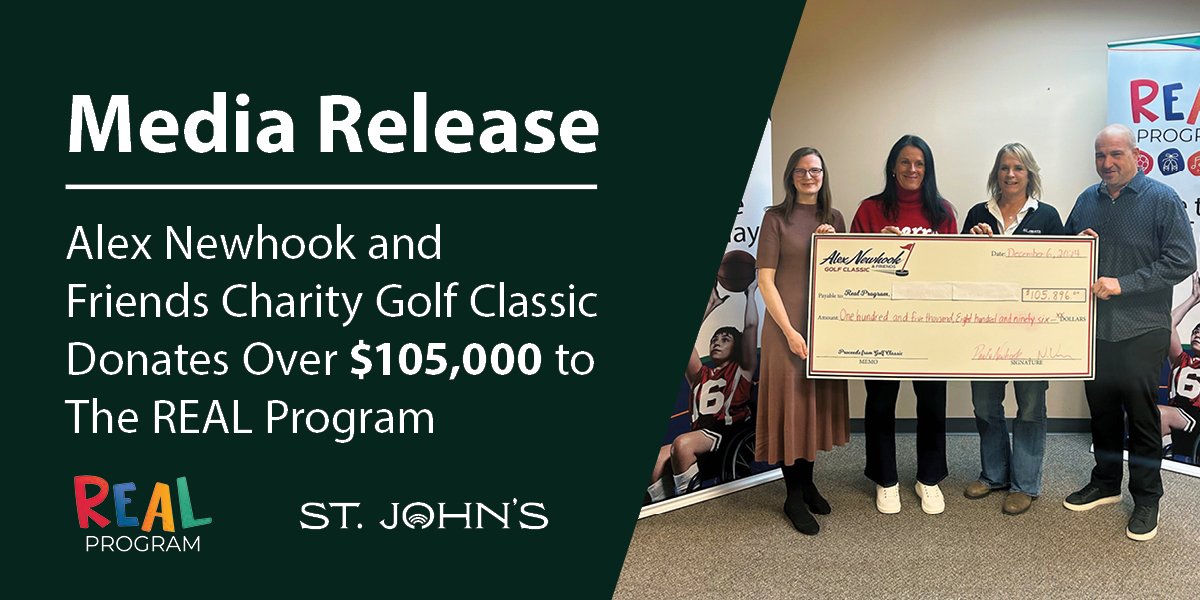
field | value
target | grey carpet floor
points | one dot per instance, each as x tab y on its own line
741	545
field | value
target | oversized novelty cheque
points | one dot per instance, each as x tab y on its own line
951	307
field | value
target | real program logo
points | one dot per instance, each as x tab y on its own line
159	512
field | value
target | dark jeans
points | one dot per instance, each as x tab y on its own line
1126	384
880	425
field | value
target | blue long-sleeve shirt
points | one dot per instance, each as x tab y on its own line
1145	243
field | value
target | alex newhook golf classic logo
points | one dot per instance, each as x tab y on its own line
136	530
870	259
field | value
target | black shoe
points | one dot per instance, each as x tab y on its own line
815	501
1143	525
801	519
1090	497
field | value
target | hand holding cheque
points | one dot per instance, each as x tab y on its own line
1104	287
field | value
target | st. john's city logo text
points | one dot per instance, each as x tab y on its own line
159	515
513	514
869	260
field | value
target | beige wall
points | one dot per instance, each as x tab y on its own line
968	77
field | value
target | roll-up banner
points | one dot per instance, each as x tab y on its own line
709	447
1154	88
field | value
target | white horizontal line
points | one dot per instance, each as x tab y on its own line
1181	36
329	186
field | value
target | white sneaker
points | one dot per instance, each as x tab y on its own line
932	501
887	499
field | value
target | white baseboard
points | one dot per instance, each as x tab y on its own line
1168	464
716	491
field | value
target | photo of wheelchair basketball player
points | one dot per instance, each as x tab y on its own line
720	399
1180	415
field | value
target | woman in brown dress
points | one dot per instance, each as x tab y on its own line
797	416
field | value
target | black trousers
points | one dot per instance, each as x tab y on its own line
880	425
1126	385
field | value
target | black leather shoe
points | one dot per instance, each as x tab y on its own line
1090	497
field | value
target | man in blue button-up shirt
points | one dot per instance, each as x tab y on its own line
1145	247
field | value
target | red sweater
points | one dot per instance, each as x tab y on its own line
910	219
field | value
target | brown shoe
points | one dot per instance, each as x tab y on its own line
976	490
1016	503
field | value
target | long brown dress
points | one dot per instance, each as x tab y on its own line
796	416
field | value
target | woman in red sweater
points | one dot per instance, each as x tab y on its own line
908	205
